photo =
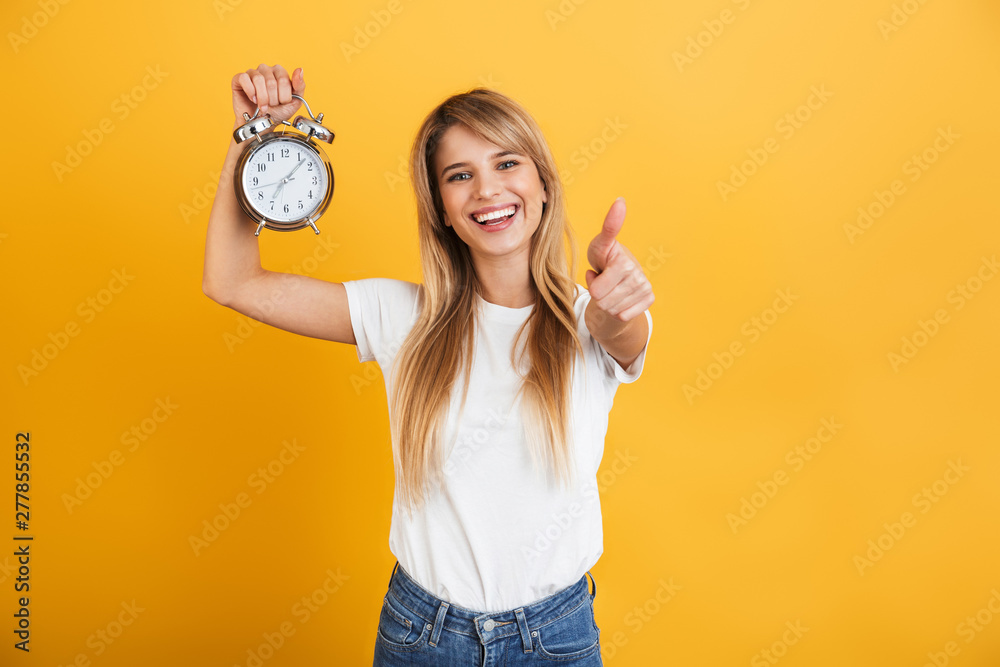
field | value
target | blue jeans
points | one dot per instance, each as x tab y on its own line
417	628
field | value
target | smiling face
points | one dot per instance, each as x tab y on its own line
477	178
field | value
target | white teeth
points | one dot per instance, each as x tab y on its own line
495	214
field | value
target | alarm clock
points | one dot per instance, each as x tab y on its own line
284	180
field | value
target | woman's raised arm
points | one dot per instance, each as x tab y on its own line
233	275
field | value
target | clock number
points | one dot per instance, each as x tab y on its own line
255	180
300	205
315	181
284	152
272	204
261	166
260	195
309	167
286	208
310	194
299	154
270	156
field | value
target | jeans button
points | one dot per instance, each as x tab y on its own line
489	625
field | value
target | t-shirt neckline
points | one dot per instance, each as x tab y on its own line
500	313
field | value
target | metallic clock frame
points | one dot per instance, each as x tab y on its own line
307	134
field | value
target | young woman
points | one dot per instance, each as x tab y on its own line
500	373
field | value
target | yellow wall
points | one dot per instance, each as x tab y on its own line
659	103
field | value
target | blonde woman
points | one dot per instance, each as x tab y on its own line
500	373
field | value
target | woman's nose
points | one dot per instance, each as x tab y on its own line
488	185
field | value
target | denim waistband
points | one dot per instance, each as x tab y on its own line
487	626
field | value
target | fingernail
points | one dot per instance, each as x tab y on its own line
254	98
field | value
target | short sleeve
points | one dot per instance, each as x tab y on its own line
383	310
632	373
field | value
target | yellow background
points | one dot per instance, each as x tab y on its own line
139	202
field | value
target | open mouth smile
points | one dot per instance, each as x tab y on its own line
496	217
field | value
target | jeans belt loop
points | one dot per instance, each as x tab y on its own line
438	624
522	625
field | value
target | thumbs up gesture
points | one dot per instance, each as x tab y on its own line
617	285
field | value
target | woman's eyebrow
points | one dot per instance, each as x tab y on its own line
466	164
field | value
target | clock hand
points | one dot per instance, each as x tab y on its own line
267	185
294	169
283	180
281	185
288	177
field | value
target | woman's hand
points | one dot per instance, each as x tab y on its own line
269	87
617	285
619	293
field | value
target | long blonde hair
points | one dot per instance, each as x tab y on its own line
443	336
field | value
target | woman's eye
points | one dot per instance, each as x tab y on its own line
456	177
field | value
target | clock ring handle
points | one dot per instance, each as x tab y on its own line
318	119
308	110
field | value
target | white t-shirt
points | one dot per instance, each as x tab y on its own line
495	536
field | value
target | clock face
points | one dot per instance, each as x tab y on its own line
284	180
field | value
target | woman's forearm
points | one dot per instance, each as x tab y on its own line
232	255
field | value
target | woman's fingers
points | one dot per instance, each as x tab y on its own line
258	91
267	88
242	82
270	88
283	87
